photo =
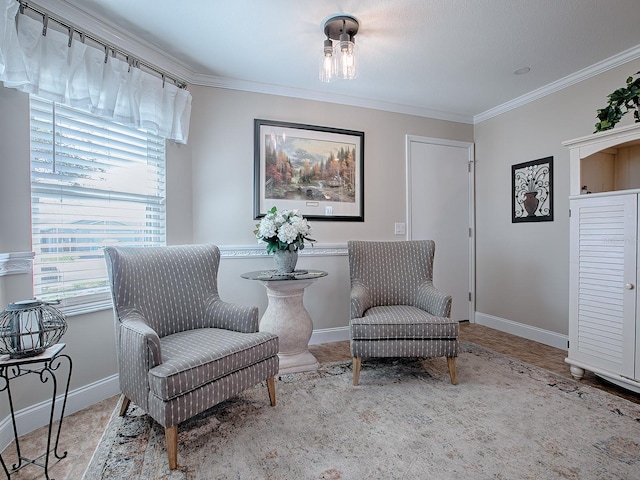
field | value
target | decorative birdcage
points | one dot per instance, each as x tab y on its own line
29	327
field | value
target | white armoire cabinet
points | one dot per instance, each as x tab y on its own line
604	274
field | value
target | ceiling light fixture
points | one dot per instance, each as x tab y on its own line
339	61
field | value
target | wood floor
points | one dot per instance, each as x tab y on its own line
82	430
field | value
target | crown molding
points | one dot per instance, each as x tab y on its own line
139	48
579	76
306	94
142	49
13	263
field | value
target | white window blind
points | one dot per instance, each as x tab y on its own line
93	183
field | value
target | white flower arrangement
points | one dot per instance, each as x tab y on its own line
284	230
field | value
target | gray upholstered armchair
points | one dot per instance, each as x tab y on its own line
182	350
395	309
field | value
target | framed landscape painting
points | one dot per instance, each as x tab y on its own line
315	170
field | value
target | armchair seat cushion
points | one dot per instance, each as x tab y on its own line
400	322
193	358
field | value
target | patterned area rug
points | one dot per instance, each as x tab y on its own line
504	420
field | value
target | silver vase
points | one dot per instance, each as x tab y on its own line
285	260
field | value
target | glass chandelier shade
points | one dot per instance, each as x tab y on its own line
344	58
338	59
327	69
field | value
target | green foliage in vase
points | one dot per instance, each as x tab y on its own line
621	101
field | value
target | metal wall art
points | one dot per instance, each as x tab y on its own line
532	191
316	170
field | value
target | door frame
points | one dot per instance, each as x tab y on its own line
469	146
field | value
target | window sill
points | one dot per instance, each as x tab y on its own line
15	263
85	308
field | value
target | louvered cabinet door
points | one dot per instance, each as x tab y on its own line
603	253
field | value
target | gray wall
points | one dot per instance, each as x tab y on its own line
522	270
90	337
15	228
221	139
210	199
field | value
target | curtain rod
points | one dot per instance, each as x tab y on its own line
108	49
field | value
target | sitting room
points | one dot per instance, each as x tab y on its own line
319	240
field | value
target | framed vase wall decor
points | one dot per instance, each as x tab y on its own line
532	191
316	170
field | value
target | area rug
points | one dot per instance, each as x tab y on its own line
504	420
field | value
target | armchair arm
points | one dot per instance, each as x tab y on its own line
360	300
432	300
230	316
138	342
138	348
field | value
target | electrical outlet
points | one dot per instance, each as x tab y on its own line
400	229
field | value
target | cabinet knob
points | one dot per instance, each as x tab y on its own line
629	286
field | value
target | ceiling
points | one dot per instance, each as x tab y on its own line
450	59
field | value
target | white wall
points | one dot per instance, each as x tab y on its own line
522	270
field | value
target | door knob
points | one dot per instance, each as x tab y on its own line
628	286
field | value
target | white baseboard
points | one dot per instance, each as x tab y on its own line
328	335
536	334
36	416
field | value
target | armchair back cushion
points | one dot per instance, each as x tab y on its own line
391	271
173	288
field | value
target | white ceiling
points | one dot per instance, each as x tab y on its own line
451	59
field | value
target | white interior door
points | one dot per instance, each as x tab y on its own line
440	208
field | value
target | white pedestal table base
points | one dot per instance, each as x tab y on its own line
287	317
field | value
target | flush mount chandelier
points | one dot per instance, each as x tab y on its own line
339	60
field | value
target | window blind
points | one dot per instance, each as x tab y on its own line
93	183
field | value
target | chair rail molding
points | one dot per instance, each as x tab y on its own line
260	250
15	263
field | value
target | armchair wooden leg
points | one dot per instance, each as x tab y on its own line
271	387
452	369
171	436
125	404
356	369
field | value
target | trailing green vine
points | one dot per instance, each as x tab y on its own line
621	101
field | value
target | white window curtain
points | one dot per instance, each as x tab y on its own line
88	78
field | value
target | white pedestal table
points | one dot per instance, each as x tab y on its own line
287	317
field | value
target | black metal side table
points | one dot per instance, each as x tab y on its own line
45	365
